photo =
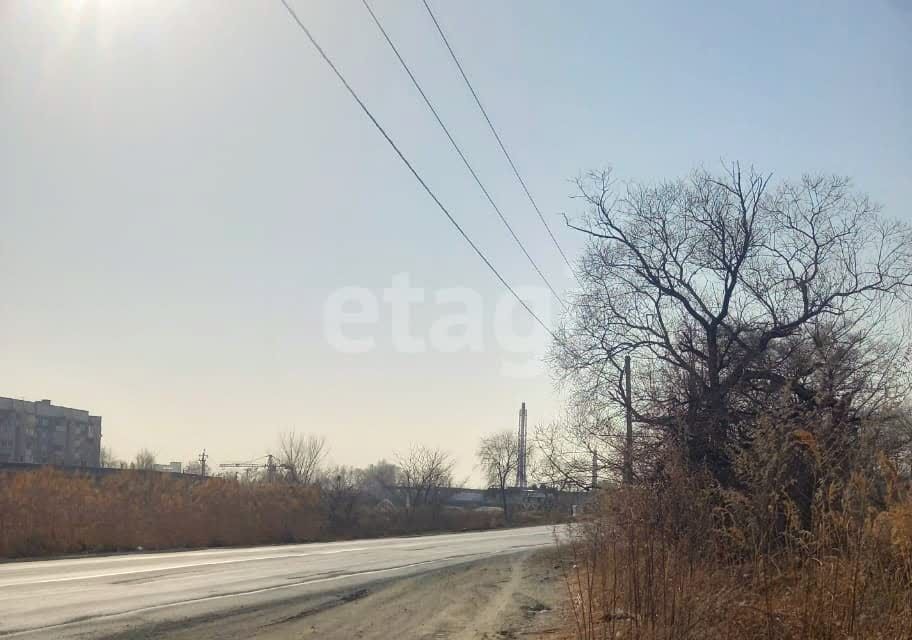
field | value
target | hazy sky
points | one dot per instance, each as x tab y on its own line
184	183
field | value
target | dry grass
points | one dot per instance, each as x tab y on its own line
685	559
51	512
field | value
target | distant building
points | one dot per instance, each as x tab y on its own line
171	467
469	498
43	433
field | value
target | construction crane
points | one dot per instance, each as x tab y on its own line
270	465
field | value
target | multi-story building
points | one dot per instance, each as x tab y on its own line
43	433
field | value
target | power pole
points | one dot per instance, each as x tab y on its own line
628	444
270	468
202	460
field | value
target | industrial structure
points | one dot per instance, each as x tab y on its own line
521	480
171	467
43	433
270	467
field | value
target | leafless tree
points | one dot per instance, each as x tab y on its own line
498	457
301	455
566	450
144	459
340	491
716	286
378	481
425	475
107	459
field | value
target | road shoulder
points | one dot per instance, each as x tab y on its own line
506	596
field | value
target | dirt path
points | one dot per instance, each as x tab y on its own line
495	610
511	596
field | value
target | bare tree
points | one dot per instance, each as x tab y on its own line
378	481
301	456
144	459
107	459
340	492
564	459
584	449
498	457
715	285
425	475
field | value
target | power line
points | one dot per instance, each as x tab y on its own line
410	167
497	135
459	151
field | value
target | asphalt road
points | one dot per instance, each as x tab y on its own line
96	597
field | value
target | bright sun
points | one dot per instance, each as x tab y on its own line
107	18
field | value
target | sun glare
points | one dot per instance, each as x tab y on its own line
98	15
107	19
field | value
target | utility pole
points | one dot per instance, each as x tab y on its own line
628	444
270	468
202	460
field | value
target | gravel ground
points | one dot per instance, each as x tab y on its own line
509	596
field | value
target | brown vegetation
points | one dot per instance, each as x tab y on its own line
768	326
48	511
686	559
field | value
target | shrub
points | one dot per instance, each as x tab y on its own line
683	558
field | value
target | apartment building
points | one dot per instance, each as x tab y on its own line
43	433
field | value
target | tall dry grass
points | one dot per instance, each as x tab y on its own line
48	512
685	559
52	512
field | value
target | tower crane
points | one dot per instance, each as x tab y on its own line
270	465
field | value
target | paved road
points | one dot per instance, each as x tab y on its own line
104	596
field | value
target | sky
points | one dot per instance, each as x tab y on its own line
185	187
